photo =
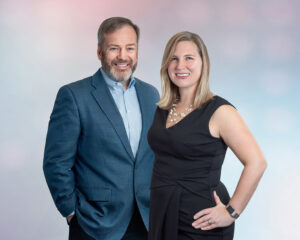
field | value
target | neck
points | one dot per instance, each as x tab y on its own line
187	96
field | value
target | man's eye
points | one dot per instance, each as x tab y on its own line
113	49
131	49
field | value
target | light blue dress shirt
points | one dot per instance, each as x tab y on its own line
129	108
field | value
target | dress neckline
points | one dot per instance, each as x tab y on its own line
187	116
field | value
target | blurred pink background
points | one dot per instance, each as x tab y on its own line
253	47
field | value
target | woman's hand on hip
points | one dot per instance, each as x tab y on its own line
214	217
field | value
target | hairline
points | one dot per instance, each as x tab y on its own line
113	24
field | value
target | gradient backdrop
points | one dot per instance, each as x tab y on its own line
254	52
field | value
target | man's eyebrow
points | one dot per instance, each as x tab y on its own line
113	45
116	45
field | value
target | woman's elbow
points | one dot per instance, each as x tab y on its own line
258	165
261	165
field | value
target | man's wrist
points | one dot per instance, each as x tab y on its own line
71	214
69	217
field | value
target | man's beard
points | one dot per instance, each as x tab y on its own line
115	75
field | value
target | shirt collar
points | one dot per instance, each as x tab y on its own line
113	84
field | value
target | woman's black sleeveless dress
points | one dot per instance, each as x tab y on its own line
187	169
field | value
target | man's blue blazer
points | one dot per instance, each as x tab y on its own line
88	162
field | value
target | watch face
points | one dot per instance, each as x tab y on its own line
230	209
232	212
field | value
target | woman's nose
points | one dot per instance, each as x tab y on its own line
180	64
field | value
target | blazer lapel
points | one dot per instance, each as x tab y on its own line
146	117
106	102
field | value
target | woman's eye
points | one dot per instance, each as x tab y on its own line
189	58
173	59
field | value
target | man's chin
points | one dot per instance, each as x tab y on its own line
121	77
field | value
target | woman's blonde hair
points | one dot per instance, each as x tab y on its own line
170	92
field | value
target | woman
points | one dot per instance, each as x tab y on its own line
190	133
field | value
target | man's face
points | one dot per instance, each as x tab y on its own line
119	53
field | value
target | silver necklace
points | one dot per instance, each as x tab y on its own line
175	117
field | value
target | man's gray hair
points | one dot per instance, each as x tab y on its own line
112	24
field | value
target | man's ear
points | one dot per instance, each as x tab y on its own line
99	53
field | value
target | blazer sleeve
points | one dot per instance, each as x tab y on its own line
60	151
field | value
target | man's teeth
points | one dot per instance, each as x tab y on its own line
182	74
121	65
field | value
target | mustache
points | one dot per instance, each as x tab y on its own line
122	62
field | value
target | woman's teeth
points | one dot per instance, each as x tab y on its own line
182	74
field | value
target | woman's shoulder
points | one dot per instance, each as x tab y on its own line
216	105
218	101
223	109
160	111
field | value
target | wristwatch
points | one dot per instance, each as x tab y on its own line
232	212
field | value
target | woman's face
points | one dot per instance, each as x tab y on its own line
185	67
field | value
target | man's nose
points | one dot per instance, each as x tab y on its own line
122	54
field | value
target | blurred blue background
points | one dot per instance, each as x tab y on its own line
254	64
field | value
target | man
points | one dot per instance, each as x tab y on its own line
97	160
